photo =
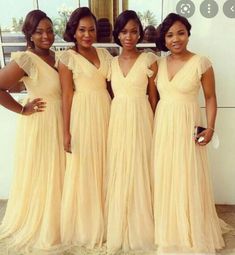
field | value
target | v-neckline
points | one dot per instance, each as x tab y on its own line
52	67
125	76
179	71
89	62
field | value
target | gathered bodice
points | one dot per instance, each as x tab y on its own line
42	80
135	83
185	85
87	77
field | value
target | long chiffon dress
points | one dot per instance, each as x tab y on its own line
129	211
82	216
32	219
184	208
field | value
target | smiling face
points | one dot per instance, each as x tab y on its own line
86	32
176	38
129	35
43	37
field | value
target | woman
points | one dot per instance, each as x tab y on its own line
129	193
32	218
86	105
185	215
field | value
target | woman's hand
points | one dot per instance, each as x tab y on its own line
67	142
36	105
206	135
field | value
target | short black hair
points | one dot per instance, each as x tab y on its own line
30	24
122	20
74	20
165	26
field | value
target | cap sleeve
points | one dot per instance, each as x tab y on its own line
109	71
150	59
66	58
108	59
107	55
57	57
25	62
204	65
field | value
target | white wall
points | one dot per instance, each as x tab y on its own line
223	159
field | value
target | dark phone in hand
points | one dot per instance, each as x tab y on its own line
199	129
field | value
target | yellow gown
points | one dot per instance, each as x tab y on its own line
32	219
82	219
184	210
129	212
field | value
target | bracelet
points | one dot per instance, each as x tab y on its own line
22	110
211	129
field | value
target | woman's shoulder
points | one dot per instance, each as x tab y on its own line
203	58
204	63
26	61
21	56
104	53
199	57
149	58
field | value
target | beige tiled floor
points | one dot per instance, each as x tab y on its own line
225	212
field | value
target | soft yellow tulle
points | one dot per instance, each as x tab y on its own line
82	219
32	220
185	215
129	212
